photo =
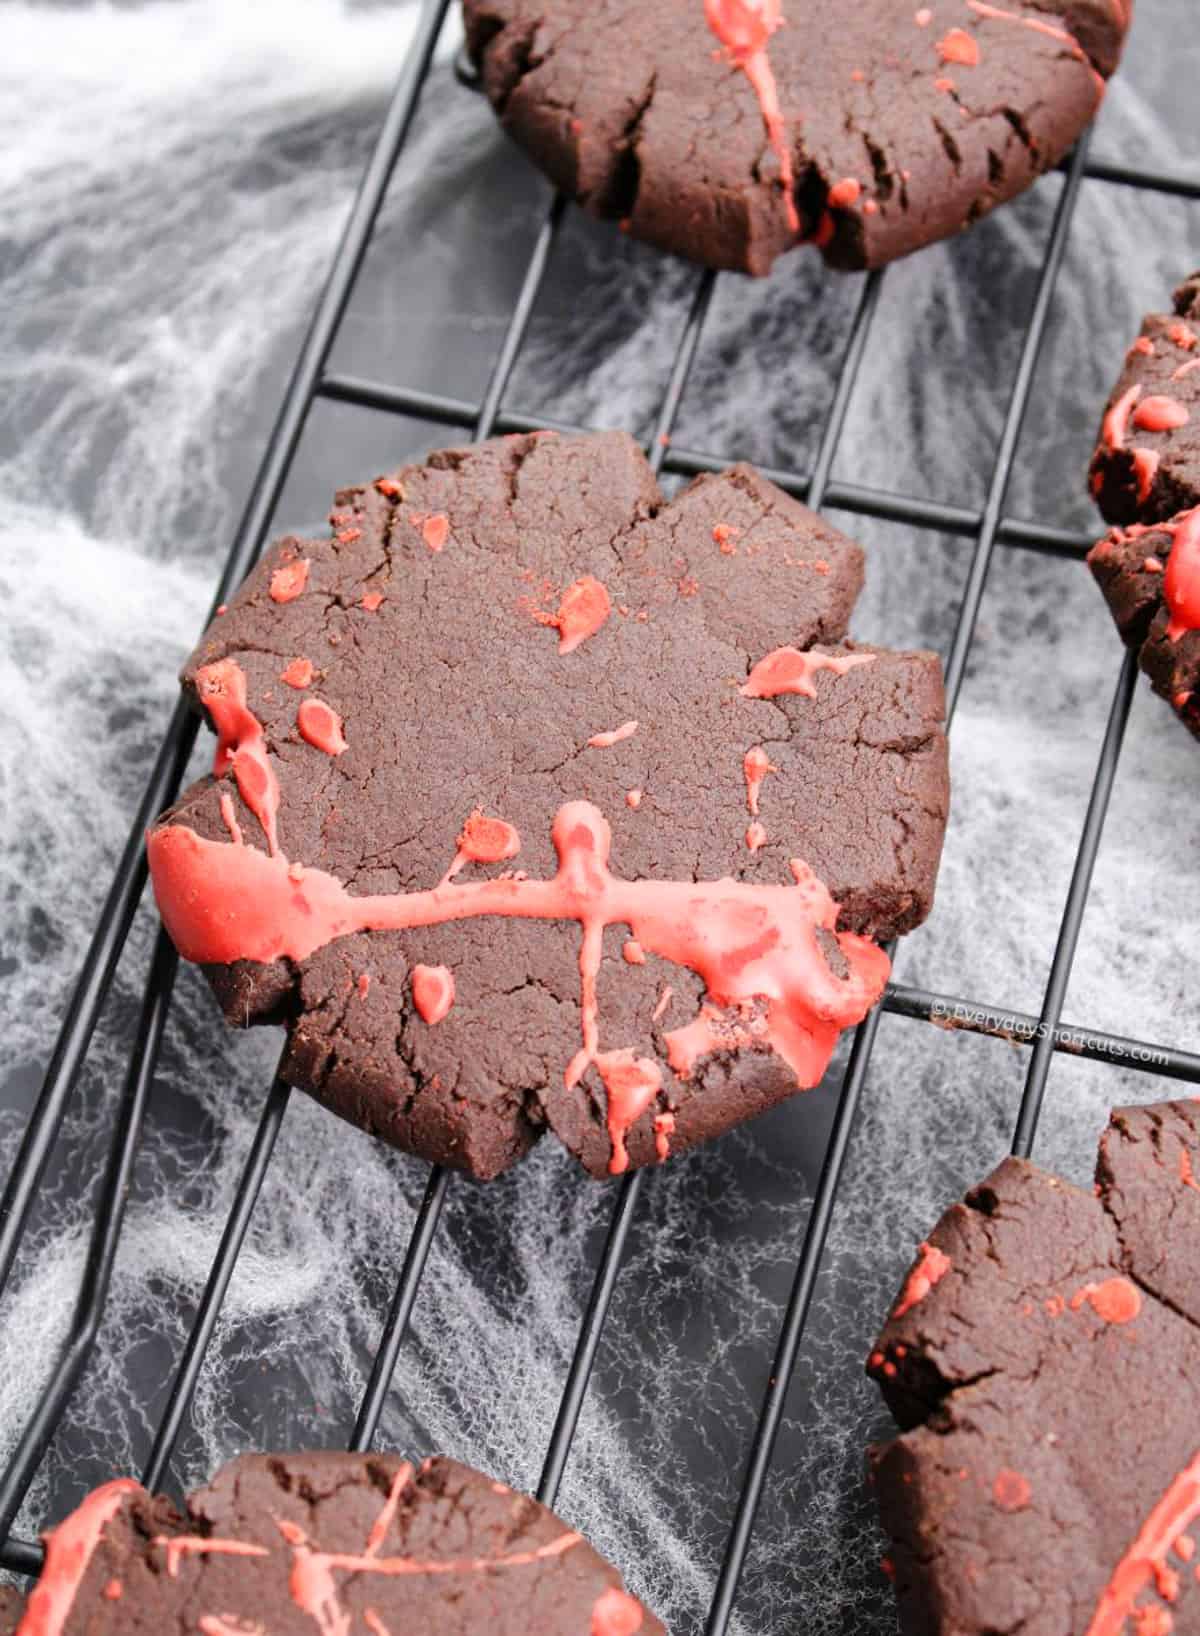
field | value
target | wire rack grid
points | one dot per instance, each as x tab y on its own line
310	381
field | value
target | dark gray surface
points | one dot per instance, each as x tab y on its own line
173	190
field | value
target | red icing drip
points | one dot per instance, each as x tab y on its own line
664	1129
288	581
1145	469
749	943
959	47
998	15
944	84
374	1623
787	670
1147	1556
605	741
1010	1491
634	953
1186	1175
181	1545
584	608
756	836
633	799
1115	430
435	531
631	1084
488	840
932	1266
432	992
744	28
69	1552
1160	415
372	601
229	816
1180	699
616	1613
1181	582
1185	369
298	674
321	727
756	765
1113	1300
845	193
241	743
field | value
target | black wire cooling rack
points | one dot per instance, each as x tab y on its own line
1043	1034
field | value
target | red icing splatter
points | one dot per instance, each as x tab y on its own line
69	1551
241	743
372	601
887	1567
752	945
845	193
1180	699
364	985
1146	1558
923	18
390	488
616	1613
488	840
583	610
1181	334
222	607
960	48
944	84
725	534
1113	1300
1186	1175
1055	1306
298	674
1160	415
1010	1491
631	1084
113	1590
605	741
1181	582
870	207
756	836
347	536
932	1266
633	799
435	531
664	1129
288	581
788	670
744	28
1152	565
633	952
1144	345
756	765
664	1001
875	1360
321	727
432	992
1152	1621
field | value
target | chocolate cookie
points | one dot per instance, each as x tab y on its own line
337	1543
539	800
713	130
1044	1358
1145	475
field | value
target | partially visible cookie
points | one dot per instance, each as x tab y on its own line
541	801
342	1544
730	130
1043	1356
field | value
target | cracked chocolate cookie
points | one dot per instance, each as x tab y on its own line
1044	1359
730	130
539	800
1145	475
340	1543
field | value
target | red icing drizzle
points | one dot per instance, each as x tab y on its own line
744	28
605	741
750	943
756	765
432	992
616	1613
298	674
1185	369
321	727
1186	1175
1113	1300
212	1624
998	15
229	817
584	608
787	670
1010	1491
1144	345
959	47
181	1545
1146	1558
932	1266
69	1552
288	581
1160	415
1181	582
241	743
1115	430
631	1084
